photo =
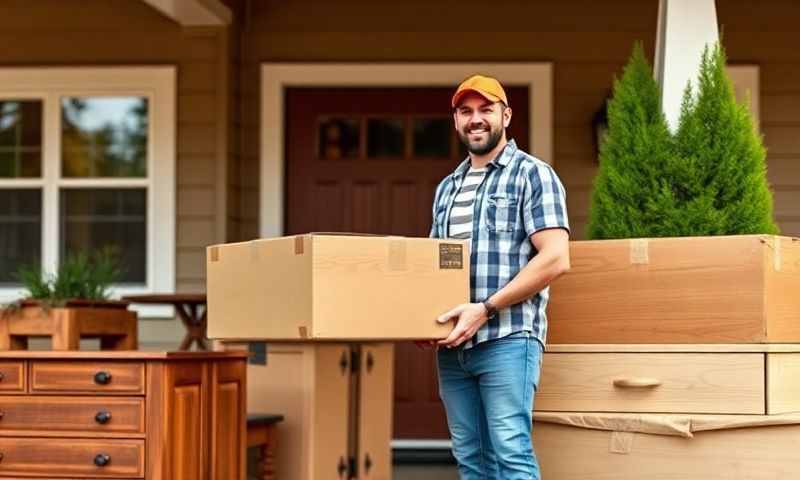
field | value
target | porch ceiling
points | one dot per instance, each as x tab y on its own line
194	13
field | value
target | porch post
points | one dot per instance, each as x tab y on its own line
685	27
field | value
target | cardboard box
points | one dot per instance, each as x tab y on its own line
728	289
335	287
765	452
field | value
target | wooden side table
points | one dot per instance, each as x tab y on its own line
190	307
112	323
261	432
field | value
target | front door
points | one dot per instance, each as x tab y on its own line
368	160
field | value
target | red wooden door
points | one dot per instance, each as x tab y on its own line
368	160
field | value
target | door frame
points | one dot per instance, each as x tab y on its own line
276	77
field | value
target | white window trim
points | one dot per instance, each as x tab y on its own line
276	77
158	84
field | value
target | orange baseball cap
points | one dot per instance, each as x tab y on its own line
487	87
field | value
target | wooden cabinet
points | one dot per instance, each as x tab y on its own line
336	399
148	415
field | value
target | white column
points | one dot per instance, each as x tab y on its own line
685	27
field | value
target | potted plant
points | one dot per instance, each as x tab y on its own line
683	246
73	303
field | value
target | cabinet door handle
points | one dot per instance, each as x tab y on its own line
2	376
637	382
102	378
101	459
102	417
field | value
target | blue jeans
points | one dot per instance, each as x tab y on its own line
488	393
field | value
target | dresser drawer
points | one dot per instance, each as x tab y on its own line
724	383
84	414
12	377
68	457
87	376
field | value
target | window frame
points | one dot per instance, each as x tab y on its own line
158	85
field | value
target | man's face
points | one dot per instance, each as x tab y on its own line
481	123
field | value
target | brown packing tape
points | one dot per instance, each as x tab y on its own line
680	425
303	332
397	254
621	442
298	245
213	254
640	251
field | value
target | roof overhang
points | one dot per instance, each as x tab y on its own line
194	13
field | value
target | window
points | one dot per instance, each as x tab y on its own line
87	160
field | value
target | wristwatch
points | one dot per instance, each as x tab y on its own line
491	310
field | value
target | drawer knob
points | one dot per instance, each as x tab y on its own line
101	459
102	378
637	382
102	417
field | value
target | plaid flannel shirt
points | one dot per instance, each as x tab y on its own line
520	195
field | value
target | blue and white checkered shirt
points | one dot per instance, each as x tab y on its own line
520	195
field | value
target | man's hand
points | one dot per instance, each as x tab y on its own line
469	316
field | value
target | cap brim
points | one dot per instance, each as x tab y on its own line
488	96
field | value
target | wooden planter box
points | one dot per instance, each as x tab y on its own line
732	289
111	322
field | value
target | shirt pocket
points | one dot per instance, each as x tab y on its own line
501	213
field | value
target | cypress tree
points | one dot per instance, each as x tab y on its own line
719	167
632	156
707	179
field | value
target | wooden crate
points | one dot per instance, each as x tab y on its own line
728	289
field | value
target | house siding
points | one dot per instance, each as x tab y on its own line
587	42
128	32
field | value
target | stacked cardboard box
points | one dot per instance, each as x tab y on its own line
647	333
328	305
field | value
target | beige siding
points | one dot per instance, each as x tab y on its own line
588	42
128	32
767	36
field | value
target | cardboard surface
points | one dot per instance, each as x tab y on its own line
335	287
757	453
727	289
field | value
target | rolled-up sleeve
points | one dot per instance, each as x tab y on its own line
544	201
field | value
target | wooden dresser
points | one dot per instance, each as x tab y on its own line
150	415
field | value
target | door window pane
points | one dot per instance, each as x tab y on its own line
432	137
20	231
339	138
104	136
385	137
96	218
20	139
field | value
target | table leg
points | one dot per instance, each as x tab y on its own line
195	326
267	464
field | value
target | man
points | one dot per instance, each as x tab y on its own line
513	208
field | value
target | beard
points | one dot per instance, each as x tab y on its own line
481	147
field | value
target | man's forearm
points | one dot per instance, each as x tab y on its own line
543	269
